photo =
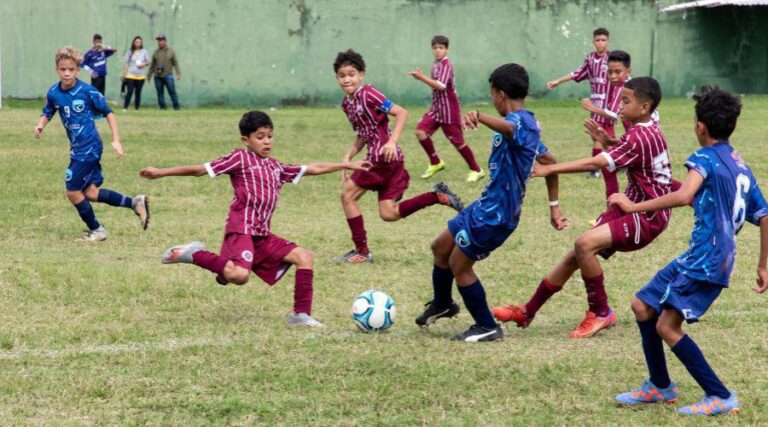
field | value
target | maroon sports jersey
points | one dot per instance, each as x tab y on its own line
367	111
256	182
594	68
642	151
445	103
613	102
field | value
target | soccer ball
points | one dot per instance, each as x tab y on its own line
373	311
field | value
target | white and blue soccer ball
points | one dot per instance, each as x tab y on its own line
373	311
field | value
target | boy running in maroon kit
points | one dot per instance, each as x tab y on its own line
595	68
642	151
445	113
367	110
249	245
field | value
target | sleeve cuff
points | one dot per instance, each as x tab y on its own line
611	163
760	214
441	84
299	175
696	167
611	113
209	169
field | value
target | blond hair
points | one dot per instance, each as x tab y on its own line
69	52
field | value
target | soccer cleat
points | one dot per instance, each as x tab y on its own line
182	253
433	169
515	313
593	324
592	223
140	207
302	320
474	176
432	313
447	197
713	405
354	257
477	333
648	393
593	174
96	235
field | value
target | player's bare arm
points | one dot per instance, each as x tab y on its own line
389	150
40	126
419	75
556	218
587	104
762	266
350	154
155	173
554	83
498	124
681	197
320	168
582	165
593	129
112	122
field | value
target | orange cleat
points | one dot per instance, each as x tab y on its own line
593	324
516	313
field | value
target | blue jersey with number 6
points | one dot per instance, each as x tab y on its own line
77	107
727	198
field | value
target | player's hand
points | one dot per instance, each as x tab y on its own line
558	221
552	84
471	120
587	104
593	129
38	131
621	201
416	74
178	76
762	280
118	148
540	170
389	151
360	165
150	173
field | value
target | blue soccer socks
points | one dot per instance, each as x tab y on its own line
653	348
113	198
85	210
693	359
474	300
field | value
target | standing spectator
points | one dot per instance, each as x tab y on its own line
137	61
95	62
163	60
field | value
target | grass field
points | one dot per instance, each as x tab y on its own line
105	334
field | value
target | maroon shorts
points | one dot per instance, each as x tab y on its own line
452	131
390	180
629	232
261	254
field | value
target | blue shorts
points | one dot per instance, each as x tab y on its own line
80	174
670	288
477	242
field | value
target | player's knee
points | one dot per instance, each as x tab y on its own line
75	197
389	215
421	135
642	310
237	275
304	258
664	330
582	245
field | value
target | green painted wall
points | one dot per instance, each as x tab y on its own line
241	52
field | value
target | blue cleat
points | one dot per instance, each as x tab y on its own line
648	393
713	405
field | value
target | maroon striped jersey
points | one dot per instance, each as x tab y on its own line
595	68
445	103
367	111
256	182
642	151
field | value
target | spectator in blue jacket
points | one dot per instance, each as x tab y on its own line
95	62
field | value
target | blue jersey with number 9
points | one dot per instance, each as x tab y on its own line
727	198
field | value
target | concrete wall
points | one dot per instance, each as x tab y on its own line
237	52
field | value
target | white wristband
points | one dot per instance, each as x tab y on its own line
553	203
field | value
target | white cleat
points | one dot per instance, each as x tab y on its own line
140	207
182	253
96	235
303	320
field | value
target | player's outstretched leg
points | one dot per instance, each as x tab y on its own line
440	194
182	253
447	197
442	304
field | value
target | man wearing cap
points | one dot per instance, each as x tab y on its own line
163	62
95	62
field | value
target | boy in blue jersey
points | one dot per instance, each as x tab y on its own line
725	194
485	224
77	103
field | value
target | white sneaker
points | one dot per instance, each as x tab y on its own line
140	207
96	235
302	320
182	253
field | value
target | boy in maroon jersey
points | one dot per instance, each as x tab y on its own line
367	110
445	113
249	245
595	68
642	151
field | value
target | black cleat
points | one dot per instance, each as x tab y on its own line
477	333
432	313
447	197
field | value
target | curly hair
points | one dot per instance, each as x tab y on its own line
349	57
718	110
511	79
69	52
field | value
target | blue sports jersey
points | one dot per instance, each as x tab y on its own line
510	165
96	61
728	196
77	108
